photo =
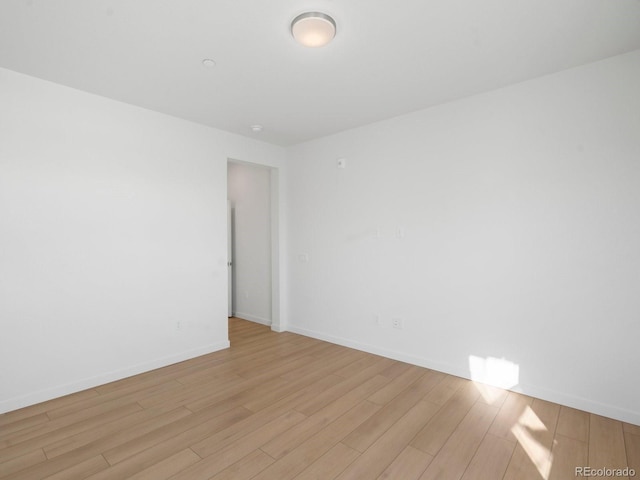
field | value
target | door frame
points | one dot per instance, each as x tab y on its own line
276	224
230	275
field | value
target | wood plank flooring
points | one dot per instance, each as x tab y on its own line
279	406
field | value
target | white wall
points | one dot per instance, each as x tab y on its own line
249	189
518	213
112	238
519	210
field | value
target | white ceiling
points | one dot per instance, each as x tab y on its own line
388	58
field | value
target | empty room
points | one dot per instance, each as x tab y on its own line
319	239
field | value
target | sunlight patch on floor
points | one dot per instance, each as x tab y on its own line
524	430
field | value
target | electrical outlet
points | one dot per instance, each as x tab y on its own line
397	323
377	319
178	325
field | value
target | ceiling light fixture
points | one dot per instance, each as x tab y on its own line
256	128
313	29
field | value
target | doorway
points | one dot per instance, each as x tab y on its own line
252	232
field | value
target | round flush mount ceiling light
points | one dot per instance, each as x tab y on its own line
256	128
313	29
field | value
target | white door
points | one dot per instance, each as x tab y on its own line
230	258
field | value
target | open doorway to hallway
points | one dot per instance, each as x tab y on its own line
249	194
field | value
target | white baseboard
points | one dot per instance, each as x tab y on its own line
561	398
383	352
253	318
73	387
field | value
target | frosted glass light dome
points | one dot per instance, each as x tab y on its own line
313	29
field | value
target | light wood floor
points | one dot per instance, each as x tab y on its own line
282	406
